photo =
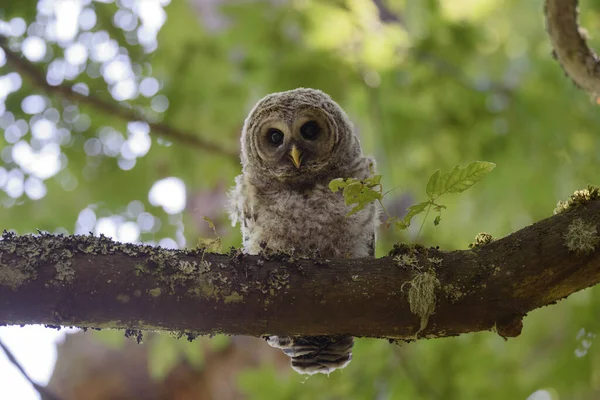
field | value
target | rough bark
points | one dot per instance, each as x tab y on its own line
94	282
580	63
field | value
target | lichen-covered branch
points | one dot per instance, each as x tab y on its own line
37	78
94	282
580	63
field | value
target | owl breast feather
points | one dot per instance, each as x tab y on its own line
307	223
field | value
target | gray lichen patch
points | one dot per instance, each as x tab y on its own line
578	197
205	266
453	293
581	237
187	267
481	239
32	251
422	296
406	260
13	277
279	278
64	272
435	261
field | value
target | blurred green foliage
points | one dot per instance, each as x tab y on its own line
431	85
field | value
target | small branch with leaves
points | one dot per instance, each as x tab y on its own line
360	192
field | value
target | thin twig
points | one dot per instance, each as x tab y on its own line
385	14
424	219
44	392
129	114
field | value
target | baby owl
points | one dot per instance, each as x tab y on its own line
293	144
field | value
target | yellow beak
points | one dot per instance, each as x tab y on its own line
296	156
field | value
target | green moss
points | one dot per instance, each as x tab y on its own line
400	248
234	297
208	289
581	237
155	292
123	298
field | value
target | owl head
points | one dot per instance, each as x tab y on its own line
298	135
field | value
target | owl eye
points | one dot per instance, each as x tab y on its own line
275	136
310	130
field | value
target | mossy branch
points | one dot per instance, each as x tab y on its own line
90	281
580	63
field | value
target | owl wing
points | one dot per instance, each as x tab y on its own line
371	168
372	245
239	208
235	203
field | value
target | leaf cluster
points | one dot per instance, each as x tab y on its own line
207	244
457	180
361	192
358	192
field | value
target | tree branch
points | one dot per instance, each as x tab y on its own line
88	281
66	92
44	392
580	63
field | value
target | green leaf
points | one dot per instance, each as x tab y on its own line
352	193
369	195
439	207
163	355
434	186
210	245
437	220
375	180
337	184
220	342
357	192
356	209
413	211
460	179
211	224
401	225
193	352
114	338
